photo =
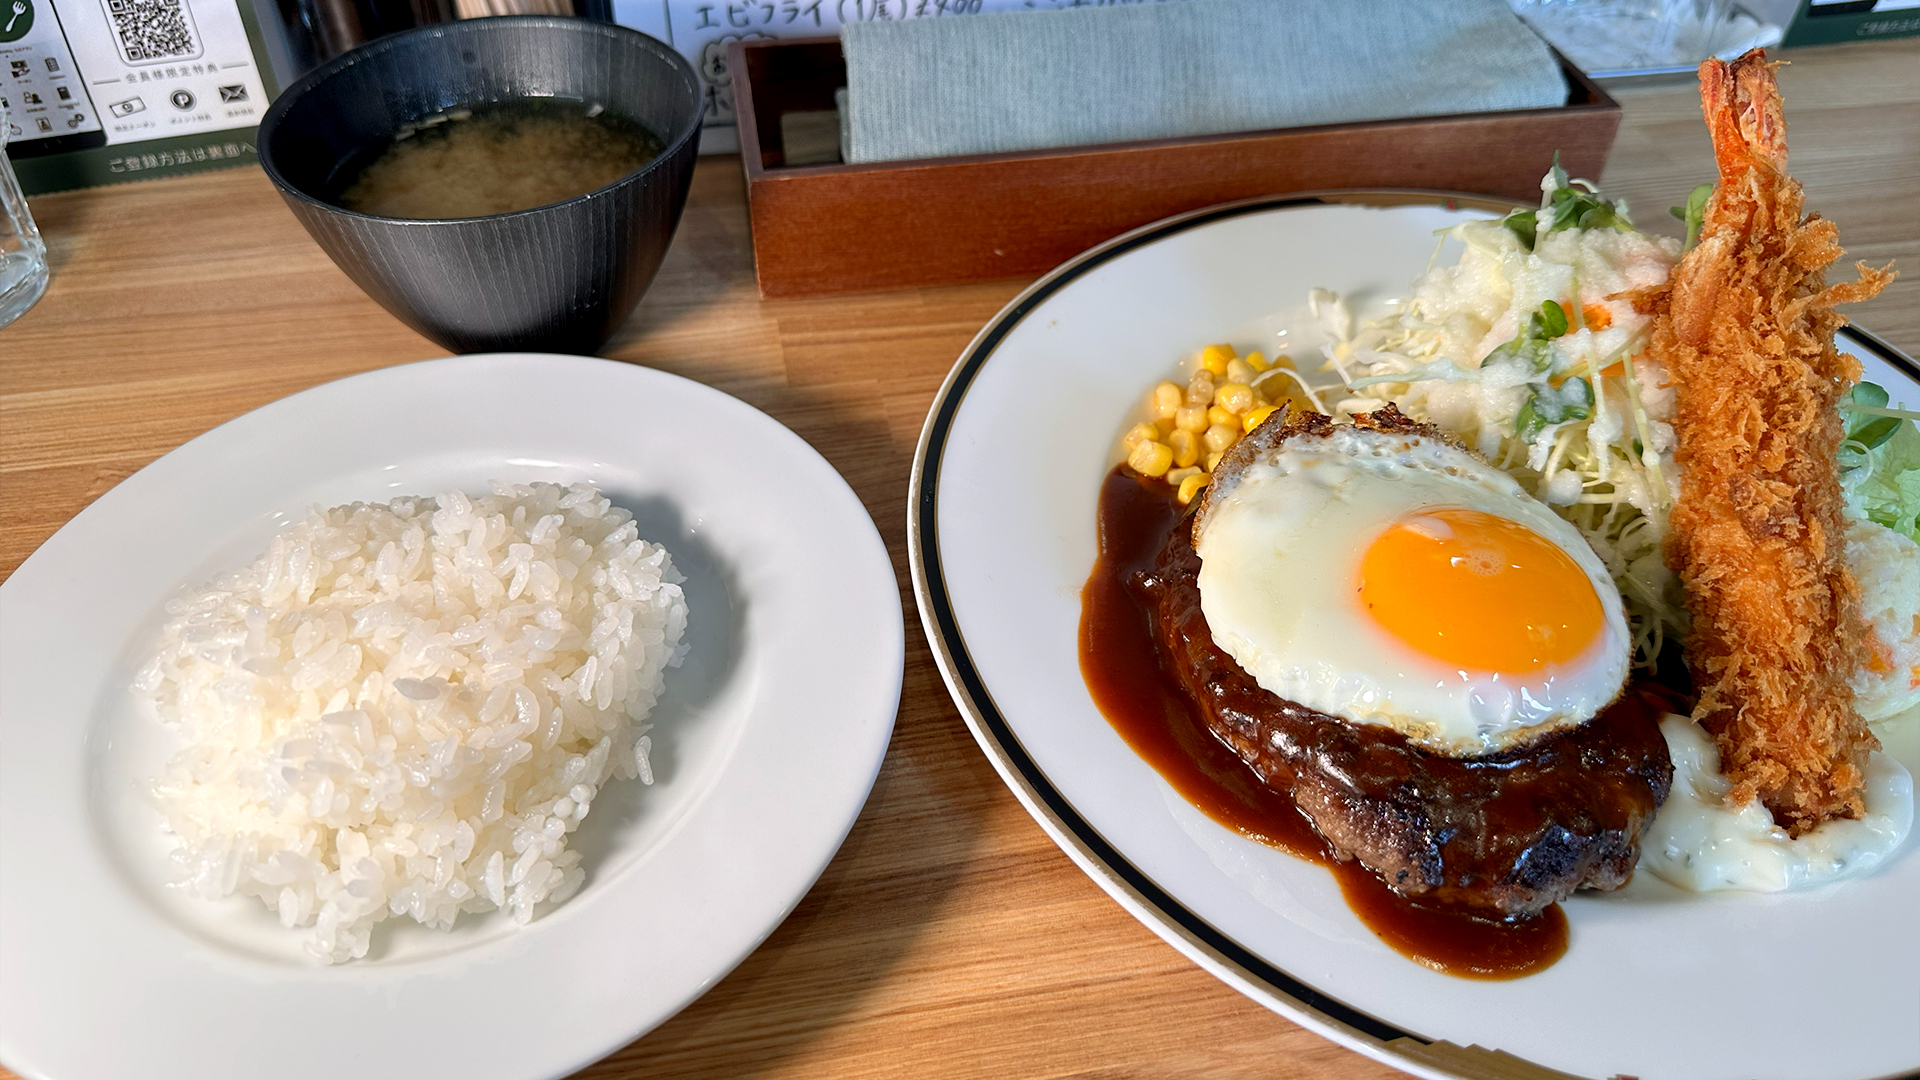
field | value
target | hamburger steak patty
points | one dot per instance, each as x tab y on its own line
1506	833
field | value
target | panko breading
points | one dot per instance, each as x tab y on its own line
1745	325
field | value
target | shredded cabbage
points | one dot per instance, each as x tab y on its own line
1880	462
1522	350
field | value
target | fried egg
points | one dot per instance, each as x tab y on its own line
1395	579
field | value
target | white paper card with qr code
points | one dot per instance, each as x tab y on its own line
159	68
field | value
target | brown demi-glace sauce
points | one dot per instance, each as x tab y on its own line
1124	672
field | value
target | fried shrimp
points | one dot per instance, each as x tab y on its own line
1745	325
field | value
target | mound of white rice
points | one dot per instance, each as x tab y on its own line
405	709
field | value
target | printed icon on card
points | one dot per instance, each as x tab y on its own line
16	18
233	93
182	99
124	109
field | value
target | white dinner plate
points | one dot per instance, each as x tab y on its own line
1655	984
767	739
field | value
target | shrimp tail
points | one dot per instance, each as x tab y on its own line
1741	102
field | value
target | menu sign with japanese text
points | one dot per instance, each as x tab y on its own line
99	91
701	29
111	90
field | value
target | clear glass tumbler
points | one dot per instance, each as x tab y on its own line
23	255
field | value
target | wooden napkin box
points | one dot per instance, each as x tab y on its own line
852	228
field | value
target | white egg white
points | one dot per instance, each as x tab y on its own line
1280	545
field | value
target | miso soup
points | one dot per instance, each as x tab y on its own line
497	158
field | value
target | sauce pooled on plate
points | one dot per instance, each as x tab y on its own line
1130	682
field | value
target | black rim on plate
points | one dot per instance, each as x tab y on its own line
1002	745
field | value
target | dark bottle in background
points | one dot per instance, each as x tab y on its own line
311	32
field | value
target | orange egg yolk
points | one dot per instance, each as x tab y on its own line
1479	591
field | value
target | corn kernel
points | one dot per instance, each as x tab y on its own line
1257	360
1191	418
1190	486
1140	433
1178	476
1185	446
1200	389
1284	388
1234	397
1258	415
1219	437
1219	415
1214	358
1240	371
1151	459
1213	463
1166	398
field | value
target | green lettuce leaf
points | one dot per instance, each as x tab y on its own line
1884	485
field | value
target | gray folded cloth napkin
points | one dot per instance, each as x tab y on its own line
984	84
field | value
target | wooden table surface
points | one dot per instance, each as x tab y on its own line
949	938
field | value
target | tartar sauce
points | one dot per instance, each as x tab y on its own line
1699	843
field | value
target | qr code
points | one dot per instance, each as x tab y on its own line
149	31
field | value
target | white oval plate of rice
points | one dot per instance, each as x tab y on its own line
764	742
